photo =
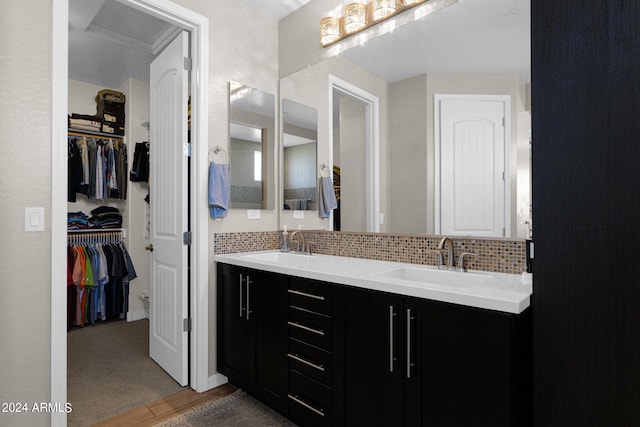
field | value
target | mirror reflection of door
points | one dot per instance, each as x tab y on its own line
300	135
349	144
474	174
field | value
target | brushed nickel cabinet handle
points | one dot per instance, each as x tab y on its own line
240	284
306	405
304	294
248	283
409	364
391	356
306	328
306	362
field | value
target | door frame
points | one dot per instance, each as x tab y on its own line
506	100
198	26
372	144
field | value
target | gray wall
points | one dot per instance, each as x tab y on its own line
25	162
408	157
244	47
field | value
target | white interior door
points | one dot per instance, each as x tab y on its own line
472	166
168	339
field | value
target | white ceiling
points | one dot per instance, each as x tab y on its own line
277	9
110	42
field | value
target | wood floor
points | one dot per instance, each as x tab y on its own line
166	408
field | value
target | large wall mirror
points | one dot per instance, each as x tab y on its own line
251	147
299	158
466	49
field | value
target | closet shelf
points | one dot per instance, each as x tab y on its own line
77	132
96	230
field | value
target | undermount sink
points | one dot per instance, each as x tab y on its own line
277	257
436	277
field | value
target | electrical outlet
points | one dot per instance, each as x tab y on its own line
253	214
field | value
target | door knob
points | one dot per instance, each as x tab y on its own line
149	247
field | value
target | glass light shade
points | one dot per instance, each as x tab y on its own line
383	8
411	2
355	17
329	30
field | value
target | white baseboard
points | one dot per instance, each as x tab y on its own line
132	316
216	380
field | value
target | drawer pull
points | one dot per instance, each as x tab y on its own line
306	362
306	405
306	328
304	294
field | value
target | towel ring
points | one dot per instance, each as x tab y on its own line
325	167
216	150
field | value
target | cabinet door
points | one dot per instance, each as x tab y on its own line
369	344
268	309
461	366
236	346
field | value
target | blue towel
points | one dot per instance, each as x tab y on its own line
218	189
327	197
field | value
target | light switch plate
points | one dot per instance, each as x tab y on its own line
33	219
253	214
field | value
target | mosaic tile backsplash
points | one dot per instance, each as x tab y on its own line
503	256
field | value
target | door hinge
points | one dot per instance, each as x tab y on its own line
188	64
186	149
503	122
503	175
504	232
186	238
186	325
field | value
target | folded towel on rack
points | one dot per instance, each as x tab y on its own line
218	189
327	200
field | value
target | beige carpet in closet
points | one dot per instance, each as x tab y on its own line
109	371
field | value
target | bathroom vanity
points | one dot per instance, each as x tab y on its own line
342	341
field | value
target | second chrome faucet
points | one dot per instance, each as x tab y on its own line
447	244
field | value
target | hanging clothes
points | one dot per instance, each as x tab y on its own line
97	167
99	270
140	166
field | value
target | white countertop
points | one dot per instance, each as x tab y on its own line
509	293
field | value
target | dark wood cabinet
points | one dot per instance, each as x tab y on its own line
252	332
466	366
369	344
333	355
415	362
310	353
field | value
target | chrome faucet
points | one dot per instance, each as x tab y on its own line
299	242
461	260
439	254
301	245
448	244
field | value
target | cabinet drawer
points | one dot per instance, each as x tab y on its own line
309	360
310	327
311	295
309	400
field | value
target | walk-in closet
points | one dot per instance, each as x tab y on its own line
110	49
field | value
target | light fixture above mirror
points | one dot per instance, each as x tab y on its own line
359	16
